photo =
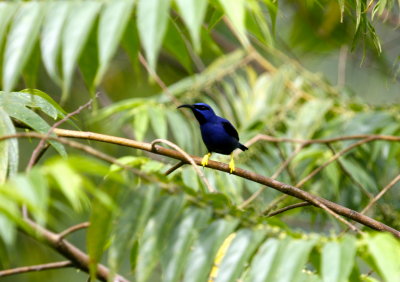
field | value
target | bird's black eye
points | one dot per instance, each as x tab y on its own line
202	108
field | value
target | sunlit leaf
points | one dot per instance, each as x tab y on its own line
53	26
193	12
238	253
20	41
113	20
201	258
338	259
155	235
76	32
385	250
236	12
152	20
183	236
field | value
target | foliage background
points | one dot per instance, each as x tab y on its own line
293	69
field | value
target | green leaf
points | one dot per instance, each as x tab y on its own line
236	12
113	20
34	188
7	226
131	43
7	11
155	234
238	254
68	181
9	155
140	123
175	120
18	111
75	35
89	61
385	250
101	220
310	117
20	41
158	122
280	260
136	209
53	27
174	43
152	20
338	259
193	13
200	260
175	256
43	105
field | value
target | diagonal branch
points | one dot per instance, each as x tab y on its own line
277	185
39	267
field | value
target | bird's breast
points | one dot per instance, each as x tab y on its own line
217	139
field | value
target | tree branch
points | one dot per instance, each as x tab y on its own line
294	206
77	257
73	229
282	187
39	267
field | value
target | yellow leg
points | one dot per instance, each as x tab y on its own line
232	164
205	159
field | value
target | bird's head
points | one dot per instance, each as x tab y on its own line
201	111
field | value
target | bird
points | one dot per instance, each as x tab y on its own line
218	134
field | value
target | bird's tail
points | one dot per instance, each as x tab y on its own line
243	147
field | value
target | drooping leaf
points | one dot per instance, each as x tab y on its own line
135	212
238	253
140	123
385	250
183	236
236	12
8	148
201	258
20	41
68	181
53	28
280	260
18	111
76	32
7	11
113	21
155	234
338	259
193	12
158	122
152	20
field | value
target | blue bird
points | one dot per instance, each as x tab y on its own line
218	134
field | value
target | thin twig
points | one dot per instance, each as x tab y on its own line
189	159
294	206
362	188
159	81
173	168
381	193
72	229
332	159
39	267
282	187
39	147
264	137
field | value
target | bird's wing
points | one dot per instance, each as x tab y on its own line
230	129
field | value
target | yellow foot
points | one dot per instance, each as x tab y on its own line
205	159
232	164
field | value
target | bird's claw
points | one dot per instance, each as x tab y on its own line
231	166
205	159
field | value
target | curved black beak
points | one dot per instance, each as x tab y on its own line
185	106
